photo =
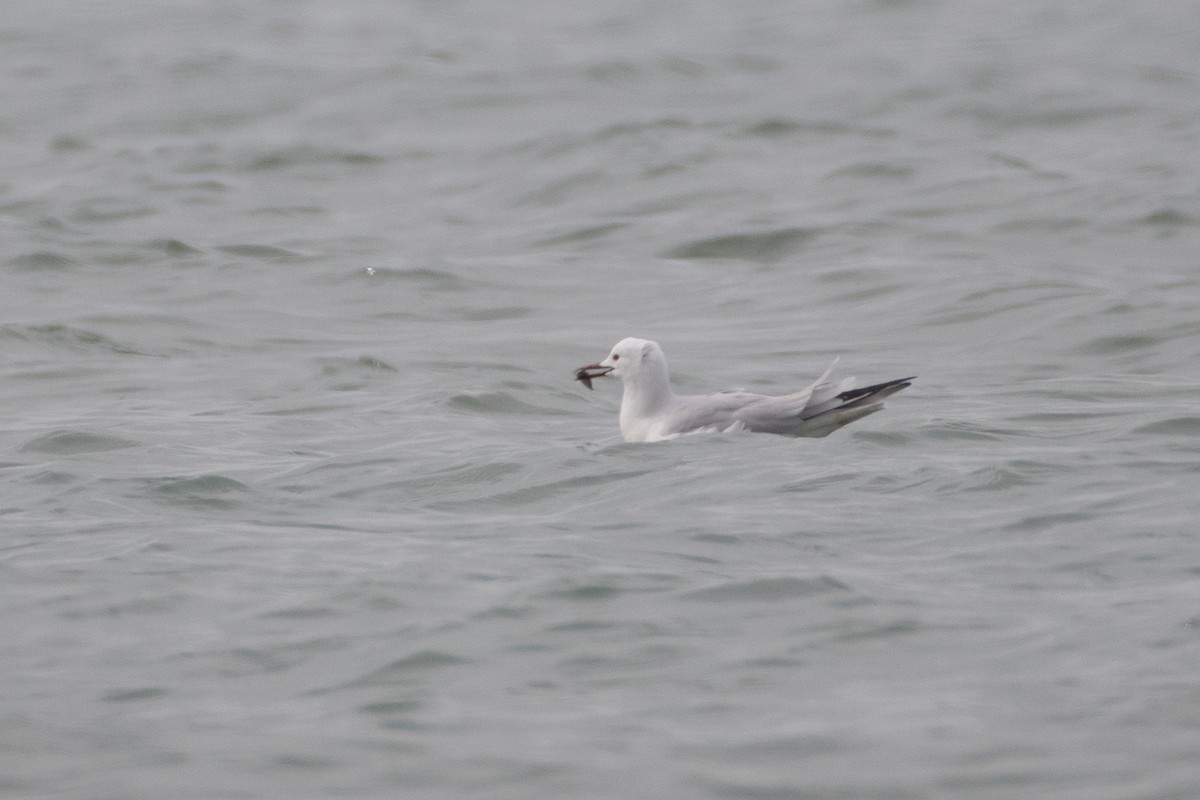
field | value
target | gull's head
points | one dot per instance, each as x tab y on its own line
629	360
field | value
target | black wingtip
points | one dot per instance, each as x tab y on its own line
889	386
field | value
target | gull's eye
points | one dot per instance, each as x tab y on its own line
616	357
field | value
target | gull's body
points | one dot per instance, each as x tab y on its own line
651	411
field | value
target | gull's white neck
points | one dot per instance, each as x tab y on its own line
646	395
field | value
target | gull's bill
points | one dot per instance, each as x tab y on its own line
587	374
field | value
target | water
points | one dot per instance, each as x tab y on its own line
299	499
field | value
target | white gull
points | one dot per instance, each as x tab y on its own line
651	412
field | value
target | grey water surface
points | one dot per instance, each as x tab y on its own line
298	498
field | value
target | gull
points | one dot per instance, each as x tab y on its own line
651	412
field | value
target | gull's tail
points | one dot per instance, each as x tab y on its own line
873	394
829	413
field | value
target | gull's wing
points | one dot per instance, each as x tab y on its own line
707	412
817	410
